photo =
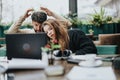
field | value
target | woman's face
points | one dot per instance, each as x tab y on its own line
50	31
36	26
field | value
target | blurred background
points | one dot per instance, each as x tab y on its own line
84	14
10	10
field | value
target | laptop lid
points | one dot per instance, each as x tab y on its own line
25	45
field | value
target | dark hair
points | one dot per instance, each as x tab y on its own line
39	17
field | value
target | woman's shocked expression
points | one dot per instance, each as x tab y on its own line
50	31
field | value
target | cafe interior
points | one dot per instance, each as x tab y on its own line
98	19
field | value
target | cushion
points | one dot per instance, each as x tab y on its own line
109	39
3	51
106	49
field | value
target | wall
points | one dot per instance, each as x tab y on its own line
13	9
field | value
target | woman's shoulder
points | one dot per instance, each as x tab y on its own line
75	31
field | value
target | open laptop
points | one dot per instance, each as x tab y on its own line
25	45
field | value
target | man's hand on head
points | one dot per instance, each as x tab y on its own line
28	12
49	13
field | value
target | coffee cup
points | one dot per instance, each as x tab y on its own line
90	59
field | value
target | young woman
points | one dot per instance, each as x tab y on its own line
74	40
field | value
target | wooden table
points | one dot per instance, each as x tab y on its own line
40	74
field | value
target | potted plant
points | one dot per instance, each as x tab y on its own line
91	31
118	26
74	20
101	22
98	18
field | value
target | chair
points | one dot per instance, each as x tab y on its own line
109	39
2	51
106	49
2	40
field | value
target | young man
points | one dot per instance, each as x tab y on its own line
37	19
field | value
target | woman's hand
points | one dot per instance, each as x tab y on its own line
49	13
27	13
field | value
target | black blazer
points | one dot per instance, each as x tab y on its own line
80	44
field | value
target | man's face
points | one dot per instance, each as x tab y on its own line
36	26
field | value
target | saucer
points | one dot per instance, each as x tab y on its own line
85	64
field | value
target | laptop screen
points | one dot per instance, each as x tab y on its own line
25	45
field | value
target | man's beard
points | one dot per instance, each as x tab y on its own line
37	30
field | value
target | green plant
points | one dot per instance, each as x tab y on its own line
91	31
27	25
4	24
50	46
118	21
99	18
108	18
74	19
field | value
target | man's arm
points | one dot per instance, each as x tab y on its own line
15	26
56	16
